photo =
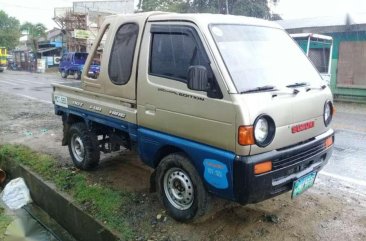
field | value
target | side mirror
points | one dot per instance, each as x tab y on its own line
197	78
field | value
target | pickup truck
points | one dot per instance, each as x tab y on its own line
73	63
216	104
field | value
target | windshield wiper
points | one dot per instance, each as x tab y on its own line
299	84
283	92
259	89
322	87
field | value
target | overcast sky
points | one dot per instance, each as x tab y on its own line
42	10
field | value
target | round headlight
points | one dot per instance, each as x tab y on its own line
264	130
328	113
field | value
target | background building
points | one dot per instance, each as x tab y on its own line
348	70
80	23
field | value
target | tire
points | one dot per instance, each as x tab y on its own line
83	147
77	75
63	74
180	188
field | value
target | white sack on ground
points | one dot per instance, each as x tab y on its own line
16	194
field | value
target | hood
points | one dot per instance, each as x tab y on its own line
287	110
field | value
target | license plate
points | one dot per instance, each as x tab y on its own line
303	184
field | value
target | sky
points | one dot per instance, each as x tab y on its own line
42	11
290	9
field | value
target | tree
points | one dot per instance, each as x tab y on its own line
35	32
252	8
9	31
179	6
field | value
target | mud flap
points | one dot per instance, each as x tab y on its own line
65	130
152	182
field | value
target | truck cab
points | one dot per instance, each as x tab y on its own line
207	102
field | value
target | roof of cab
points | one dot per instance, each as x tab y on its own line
204	18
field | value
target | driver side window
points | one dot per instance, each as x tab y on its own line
173	50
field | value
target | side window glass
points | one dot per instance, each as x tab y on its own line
94	67
172	53
122	53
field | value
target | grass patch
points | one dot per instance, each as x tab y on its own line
104	203
5	220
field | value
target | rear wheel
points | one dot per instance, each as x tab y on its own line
83	147
180	188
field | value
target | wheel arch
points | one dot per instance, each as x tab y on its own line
67	120
167	150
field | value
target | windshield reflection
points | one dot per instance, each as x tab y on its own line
261	56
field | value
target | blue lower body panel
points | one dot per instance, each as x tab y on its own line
214	165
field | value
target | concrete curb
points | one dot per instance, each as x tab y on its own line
61	208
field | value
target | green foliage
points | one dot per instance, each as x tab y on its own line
5	220
35	32
164	5
107	205
252	8
9	31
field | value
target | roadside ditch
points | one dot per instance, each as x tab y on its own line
87	211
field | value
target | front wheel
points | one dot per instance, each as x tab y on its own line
77	75
83	147
63	74
180	188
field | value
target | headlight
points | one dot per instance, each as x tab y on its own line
328	112
264	130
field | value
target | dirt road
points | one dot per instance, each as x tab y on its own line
333	209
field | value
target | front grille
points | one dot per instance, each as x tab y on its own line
293	158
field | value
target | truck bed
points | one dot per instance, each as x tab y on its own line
72	98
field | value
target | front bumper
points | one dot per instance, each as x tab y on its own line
289	164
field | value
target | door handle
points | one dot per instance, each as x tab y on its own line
150	109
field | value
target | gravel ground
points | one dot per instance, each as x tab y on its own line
328	211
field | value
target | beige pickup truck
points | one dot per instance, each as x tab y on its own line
217	104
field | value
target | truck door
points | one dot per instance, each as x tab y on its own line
165	103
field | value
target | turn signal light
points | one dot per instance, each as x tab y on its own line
246	135
328	141
262	167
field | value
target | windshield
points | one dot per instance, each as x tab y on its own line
80	58
261	56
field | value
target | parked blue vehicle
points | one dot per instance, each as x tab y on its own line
72	63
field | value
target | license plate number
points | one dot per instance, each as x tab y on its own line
303	184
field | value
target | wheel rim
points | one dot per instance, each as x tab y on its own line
76	75
77	148
178	188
